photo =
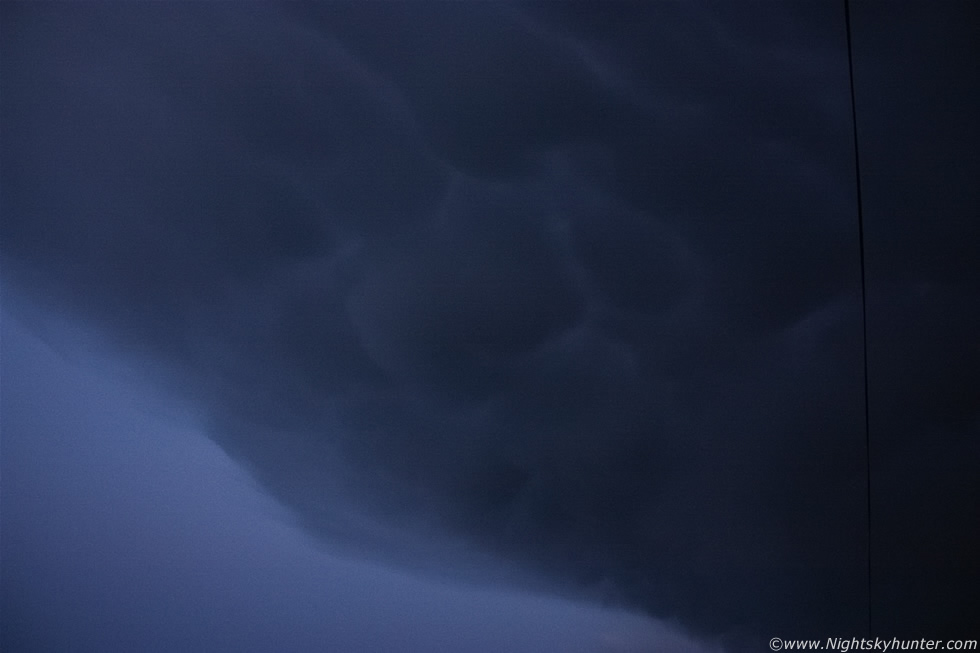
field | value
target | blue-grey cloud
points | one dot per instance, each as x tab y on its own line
577	287
124	529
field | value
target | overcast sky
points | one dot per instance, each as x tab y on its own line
484	326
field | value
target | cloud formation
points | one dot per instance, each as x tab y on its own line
124	529
572	287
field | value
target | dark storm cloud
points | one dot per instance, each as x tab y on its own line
577	285
921	100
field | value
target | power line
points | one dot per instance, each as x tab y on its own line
864	291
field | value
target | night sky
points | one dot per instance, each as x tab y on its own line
481	326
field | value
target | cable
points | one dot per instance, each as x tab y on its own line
864	292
